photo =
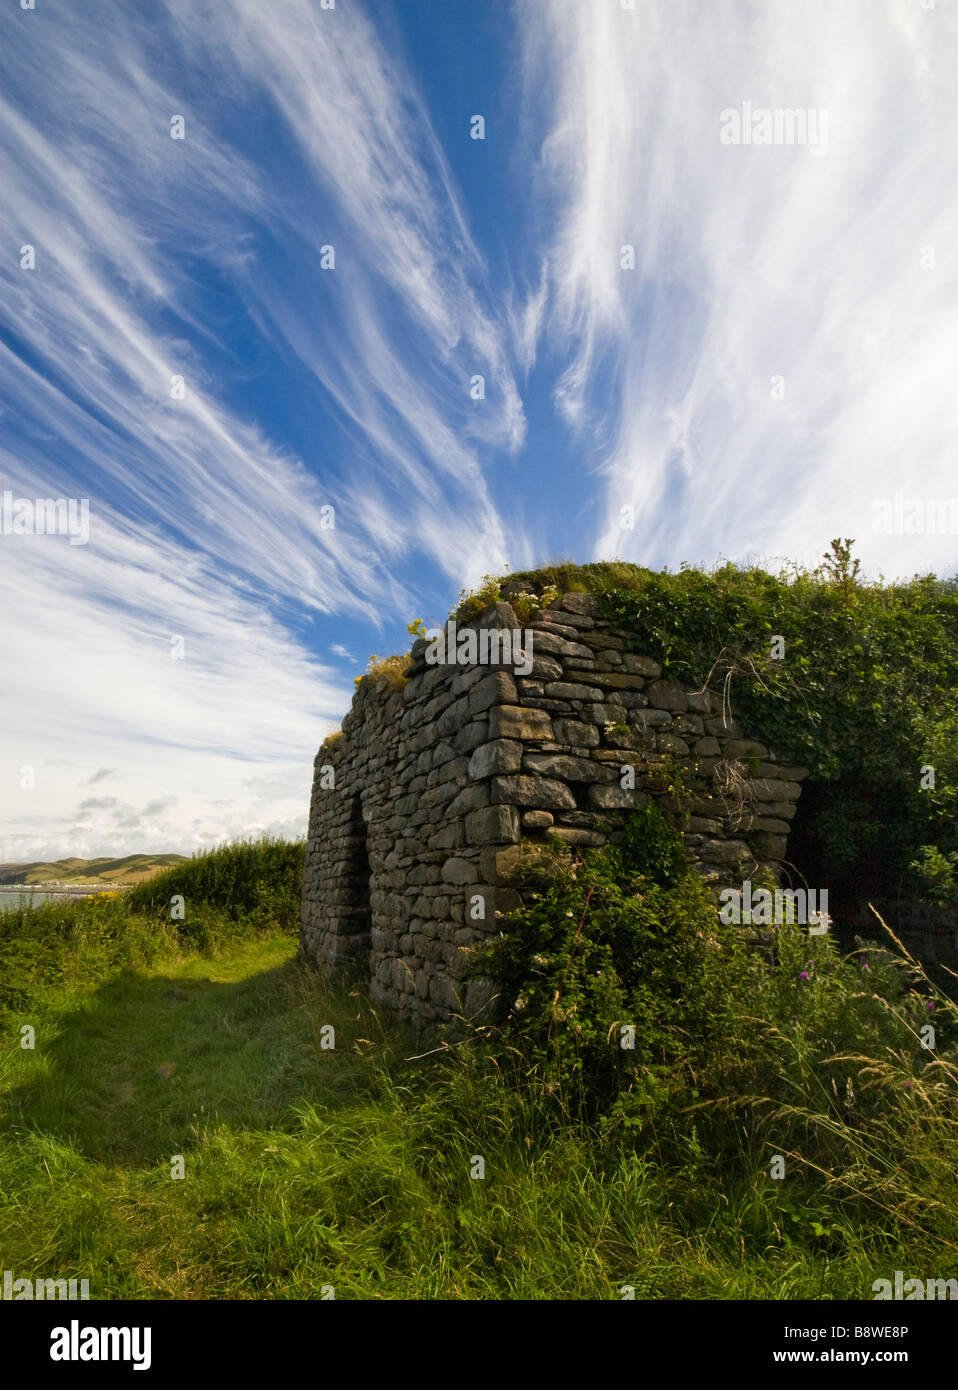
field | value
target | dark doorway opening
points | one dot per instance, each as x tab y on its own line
835	843
357	911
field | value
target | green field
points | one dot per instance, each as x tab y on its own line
349	1167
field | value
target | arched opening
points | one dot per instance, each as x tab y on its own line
356	912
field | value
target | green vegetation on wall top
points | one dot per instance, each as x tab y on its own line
857	680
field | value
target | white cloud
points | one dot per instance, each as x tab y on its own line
753	262
203	526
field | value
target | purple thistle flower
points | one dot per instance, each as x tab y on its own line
803	975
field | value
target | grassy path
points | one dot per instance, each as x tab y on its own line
306	1168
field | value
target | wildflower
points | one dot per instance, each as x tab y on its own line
909	1084
540	960
929	1005
803	975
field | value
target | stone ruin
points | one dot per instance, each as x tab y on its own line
419	804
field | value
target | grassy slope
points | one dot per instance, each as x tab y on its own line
307	1167
132	868
302	1168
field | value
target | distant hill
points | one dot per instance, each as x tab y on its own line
132	868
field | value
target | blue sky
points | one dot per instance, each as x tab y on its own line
830	271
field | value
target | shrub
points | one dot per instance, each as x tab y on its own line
736	1055
623	938
938	875
392	669
473	601
257	882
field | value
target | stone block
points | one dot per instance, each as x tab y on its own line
641	666
500	865
768	846
745	748
769	789
466	680
443	993
500	755
498	615
493	825
587	839
469	799
449	837
688	724
515	721
707	747
671	743
538	792
575	733
569	769
545	641
651	719
495	688
564	690
611	680
584	604
665	695
545	667
721	729
704	825
452	719
607	714
470	737
460	871
554	623
615	797
725	852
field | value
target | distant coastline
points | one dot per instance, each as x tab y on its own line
17	895
64	890
85	875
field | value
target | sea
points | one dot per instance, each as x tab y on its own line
27	897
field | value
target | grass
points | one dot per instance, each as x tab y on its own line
391	669
307	1166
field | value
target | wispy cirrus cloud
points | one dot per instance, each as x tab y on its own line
308	389
751	263
159	259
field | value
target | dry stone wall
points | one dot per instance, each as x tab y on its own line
419	805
